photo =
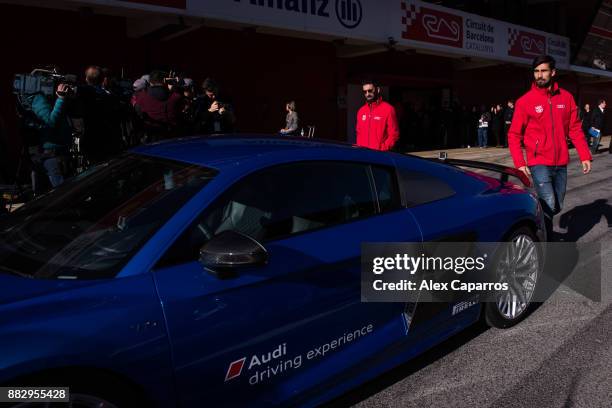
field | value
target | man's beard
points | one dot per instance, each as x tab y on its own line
370	99
543	84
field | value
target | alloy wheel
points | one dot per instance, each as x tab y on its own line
518	266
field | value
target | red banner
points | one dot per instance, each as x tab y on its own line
525	44
432	26
179	4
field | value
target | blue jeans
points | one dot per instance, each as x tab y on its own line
482	136
52	167
550	183
587	136
595	143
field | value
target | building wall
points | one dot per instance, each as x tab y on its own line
260	73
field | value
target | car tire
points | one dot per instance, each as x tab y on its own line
520	263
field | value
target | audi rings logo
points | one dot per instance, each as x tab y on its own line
349	12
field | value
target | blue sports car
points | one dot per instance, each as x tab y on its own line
225	271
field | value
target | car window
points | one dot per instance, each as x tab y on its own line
88	228
420	188
387	190
286	200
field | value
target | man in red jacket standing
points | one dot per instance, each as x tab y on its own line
376	120
543	119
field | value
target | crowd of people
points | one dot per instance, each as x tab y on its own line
493	125
454	126
169	107
80	125
593	123
432	126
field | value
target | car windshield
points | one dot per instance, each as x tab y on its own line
89	227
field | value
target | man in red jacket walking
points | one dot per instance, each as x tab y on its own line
543	119
376	120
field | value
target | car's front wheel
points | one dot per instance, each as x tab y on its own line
519	264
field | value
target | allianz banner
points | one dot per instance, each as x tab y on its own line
409	23
353	19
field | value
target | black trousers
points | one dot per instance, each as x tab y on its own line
504	140
495	135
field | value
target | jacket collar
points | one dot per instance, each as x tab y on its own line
376	102
546	91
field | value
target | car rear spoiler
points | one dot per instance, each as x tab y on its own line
504	171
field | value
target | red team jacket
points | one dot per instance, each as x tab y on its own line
543	119
377	126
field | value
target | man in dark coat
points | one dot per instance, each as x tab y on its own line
101	121
214	112
597	124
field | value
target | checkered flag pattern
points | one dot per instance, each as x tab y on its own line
513	35
411	10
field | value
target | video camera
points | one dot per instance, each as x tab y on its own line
177	80
172	81
39	81
42	81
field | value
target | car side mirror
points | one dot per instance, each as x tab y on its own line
230	250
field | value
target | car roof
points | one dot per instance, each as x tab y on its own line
219	151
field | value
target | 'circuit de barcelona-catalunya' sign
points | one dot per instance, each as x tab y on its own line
442	28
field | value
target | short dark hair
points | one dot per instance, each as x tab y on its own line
157	77
211	85
600	101
544	59
369	81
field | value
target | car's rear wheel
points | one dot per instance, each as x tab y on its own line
519	264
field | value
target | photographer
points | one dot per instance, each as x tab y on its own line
54	133
101	118
159	108
187	122
213	113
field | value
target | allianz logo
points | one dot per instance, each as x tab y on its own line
348	12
